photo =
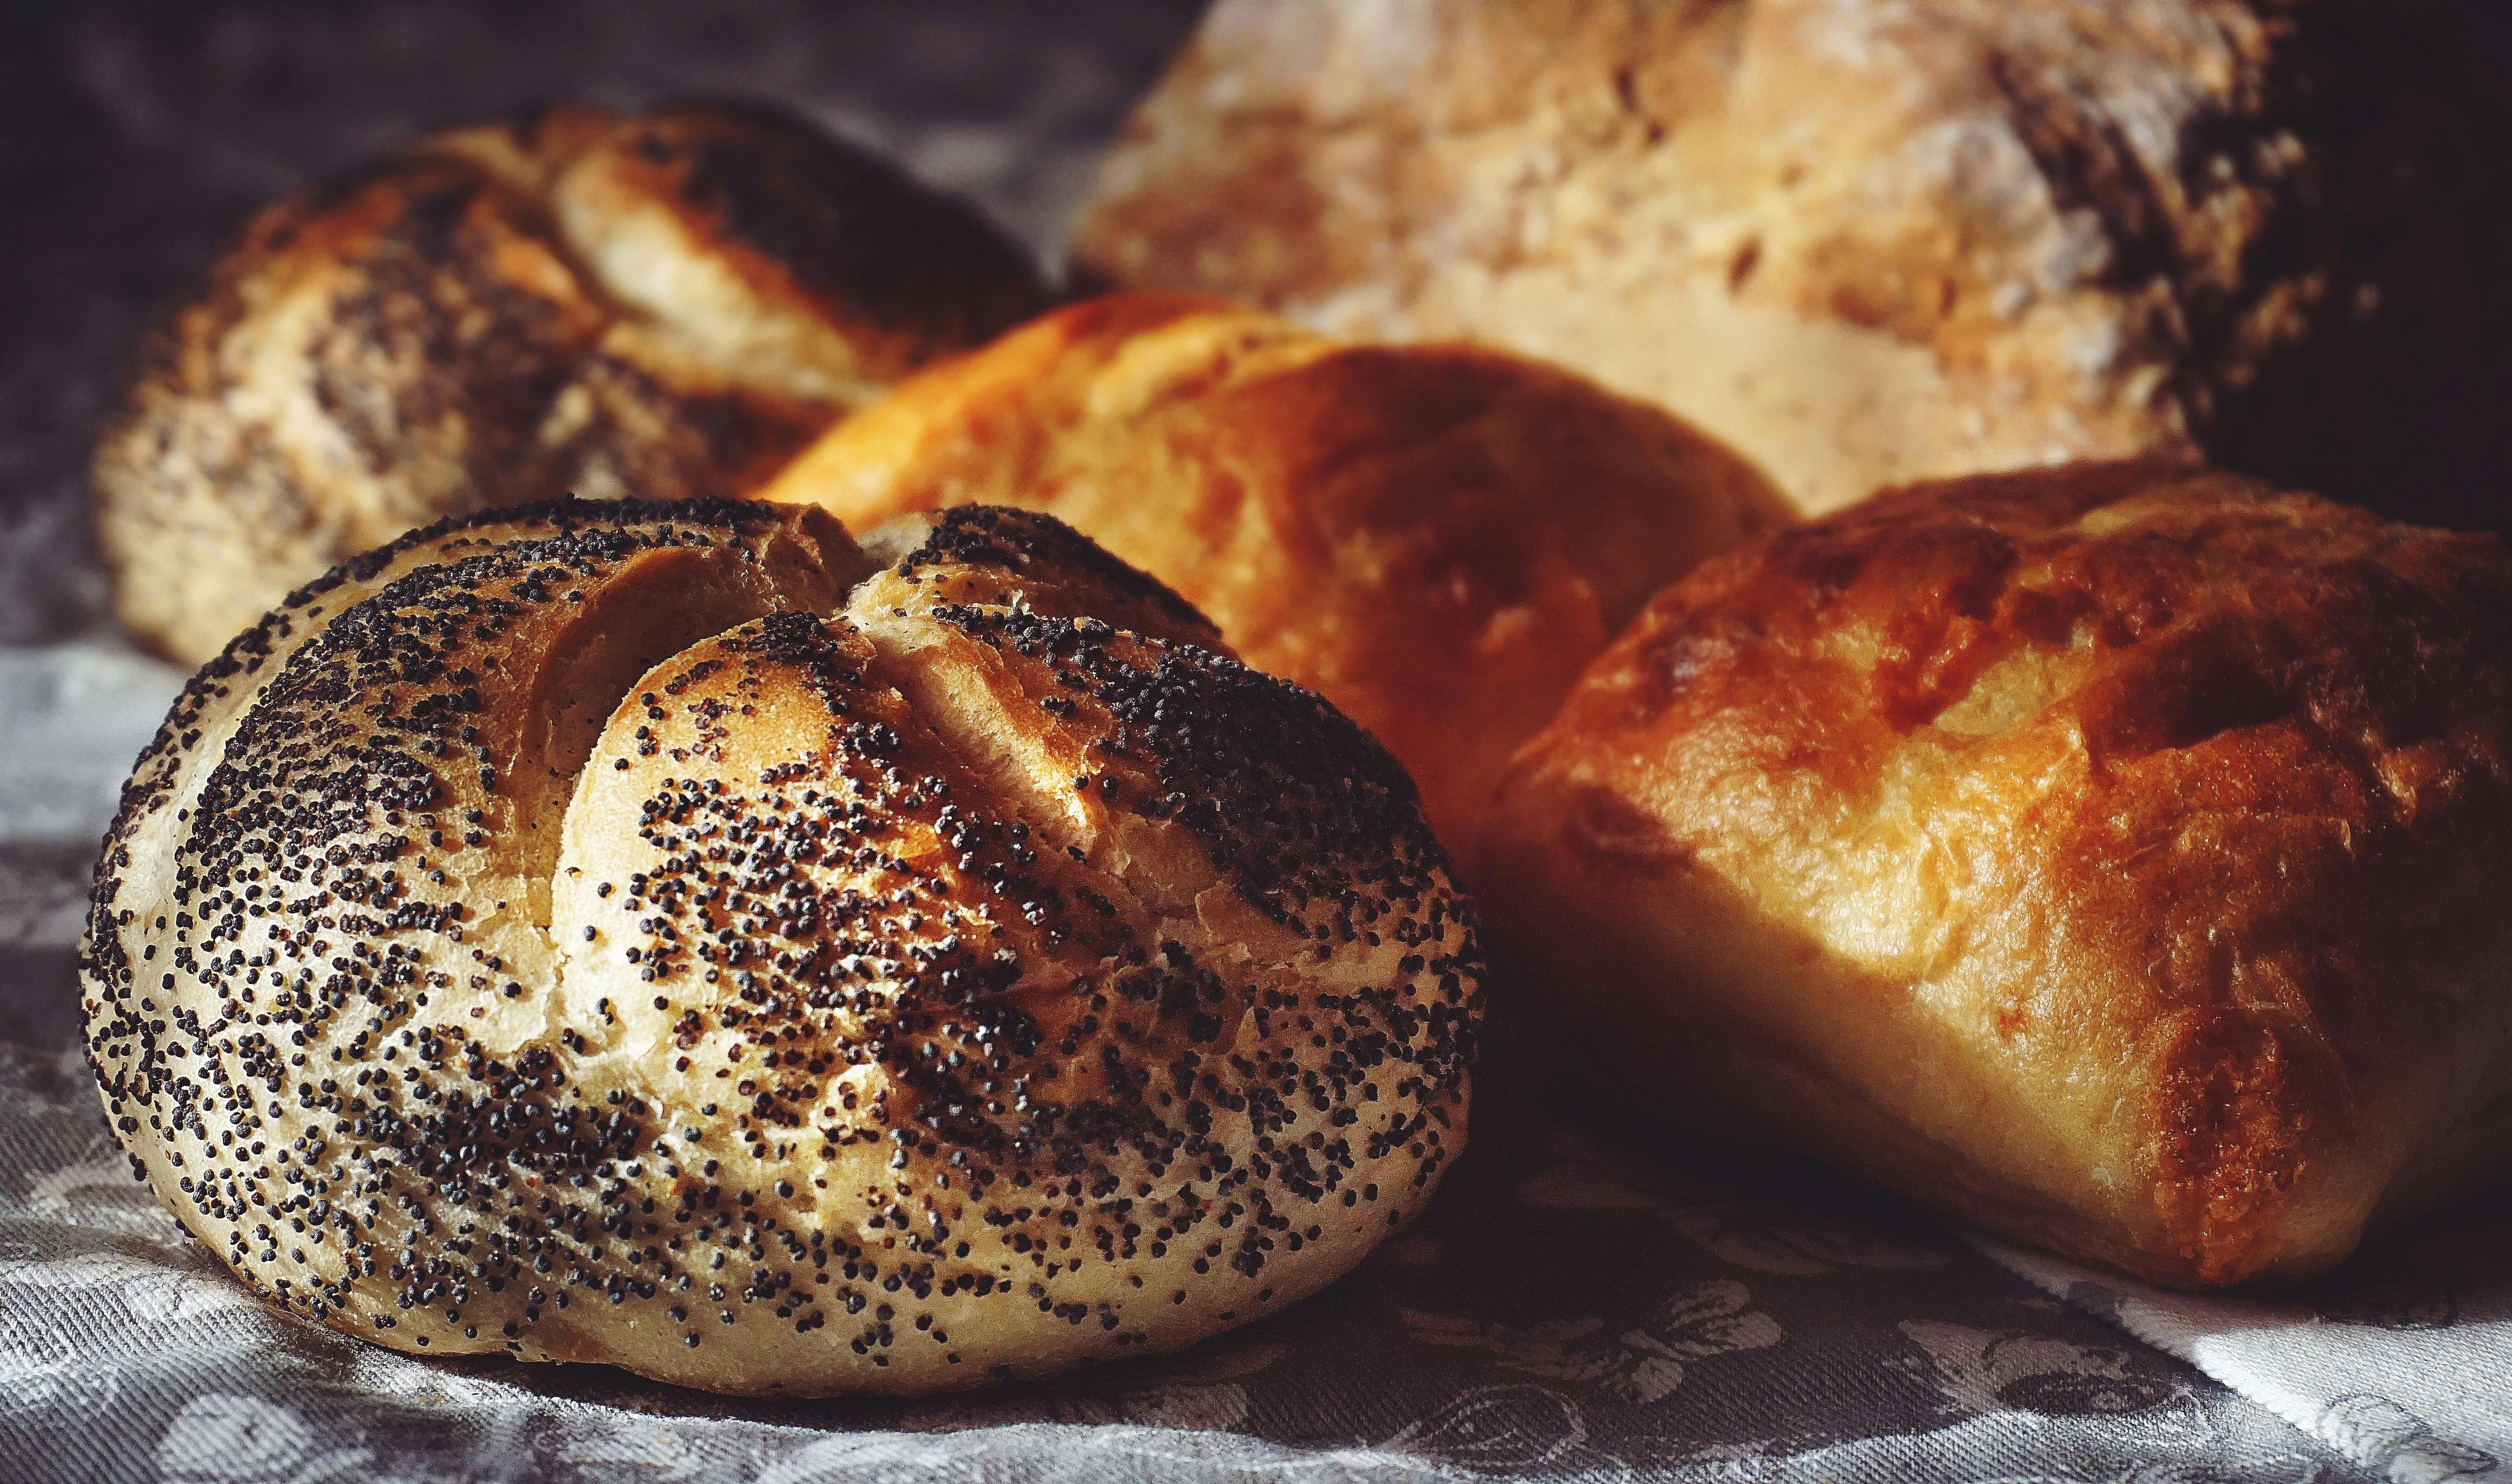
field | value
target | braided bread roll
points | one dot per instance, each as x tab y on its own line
572	302
550	935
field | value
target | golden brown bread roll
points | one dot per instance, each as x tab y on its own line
1435	538
1874	241
573	302
2111	855
551	935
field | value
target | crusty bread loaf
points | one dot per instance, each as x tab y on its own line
552	935
2111	855
669	303
1435	538
1874	241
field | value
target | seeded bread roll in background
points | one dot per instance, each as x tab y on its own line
1874	241
2111	855
1435	538
669	303
552	935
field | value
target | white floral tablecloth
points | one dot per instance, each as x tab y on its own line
1570	1308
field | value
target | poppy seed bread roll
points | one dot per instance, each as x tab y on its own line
656	935
573	302
1433	537
2110	855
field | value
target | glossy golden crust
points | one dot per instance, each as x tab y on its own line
1874	241
2111	855
1435	538
572	302
655	935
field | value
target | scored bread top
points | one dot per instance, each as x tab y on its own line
658	935
665	304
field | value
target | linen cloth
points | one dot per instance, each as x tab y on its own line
1570	1307
2402	1360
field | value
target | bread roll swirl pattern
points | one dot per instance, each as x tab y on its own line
574	301
555	936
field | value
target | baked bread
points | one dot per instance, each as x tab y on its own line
2112	856
1433	539
669	303
551	935
1874	241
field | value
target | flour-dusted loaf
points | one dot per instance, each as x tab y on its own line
666	304
2114	856
654	934
1436	538
1874	241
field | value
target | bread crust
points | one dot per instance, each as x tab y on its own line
667	305
1435	538
1886	240
657	935
2110	855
